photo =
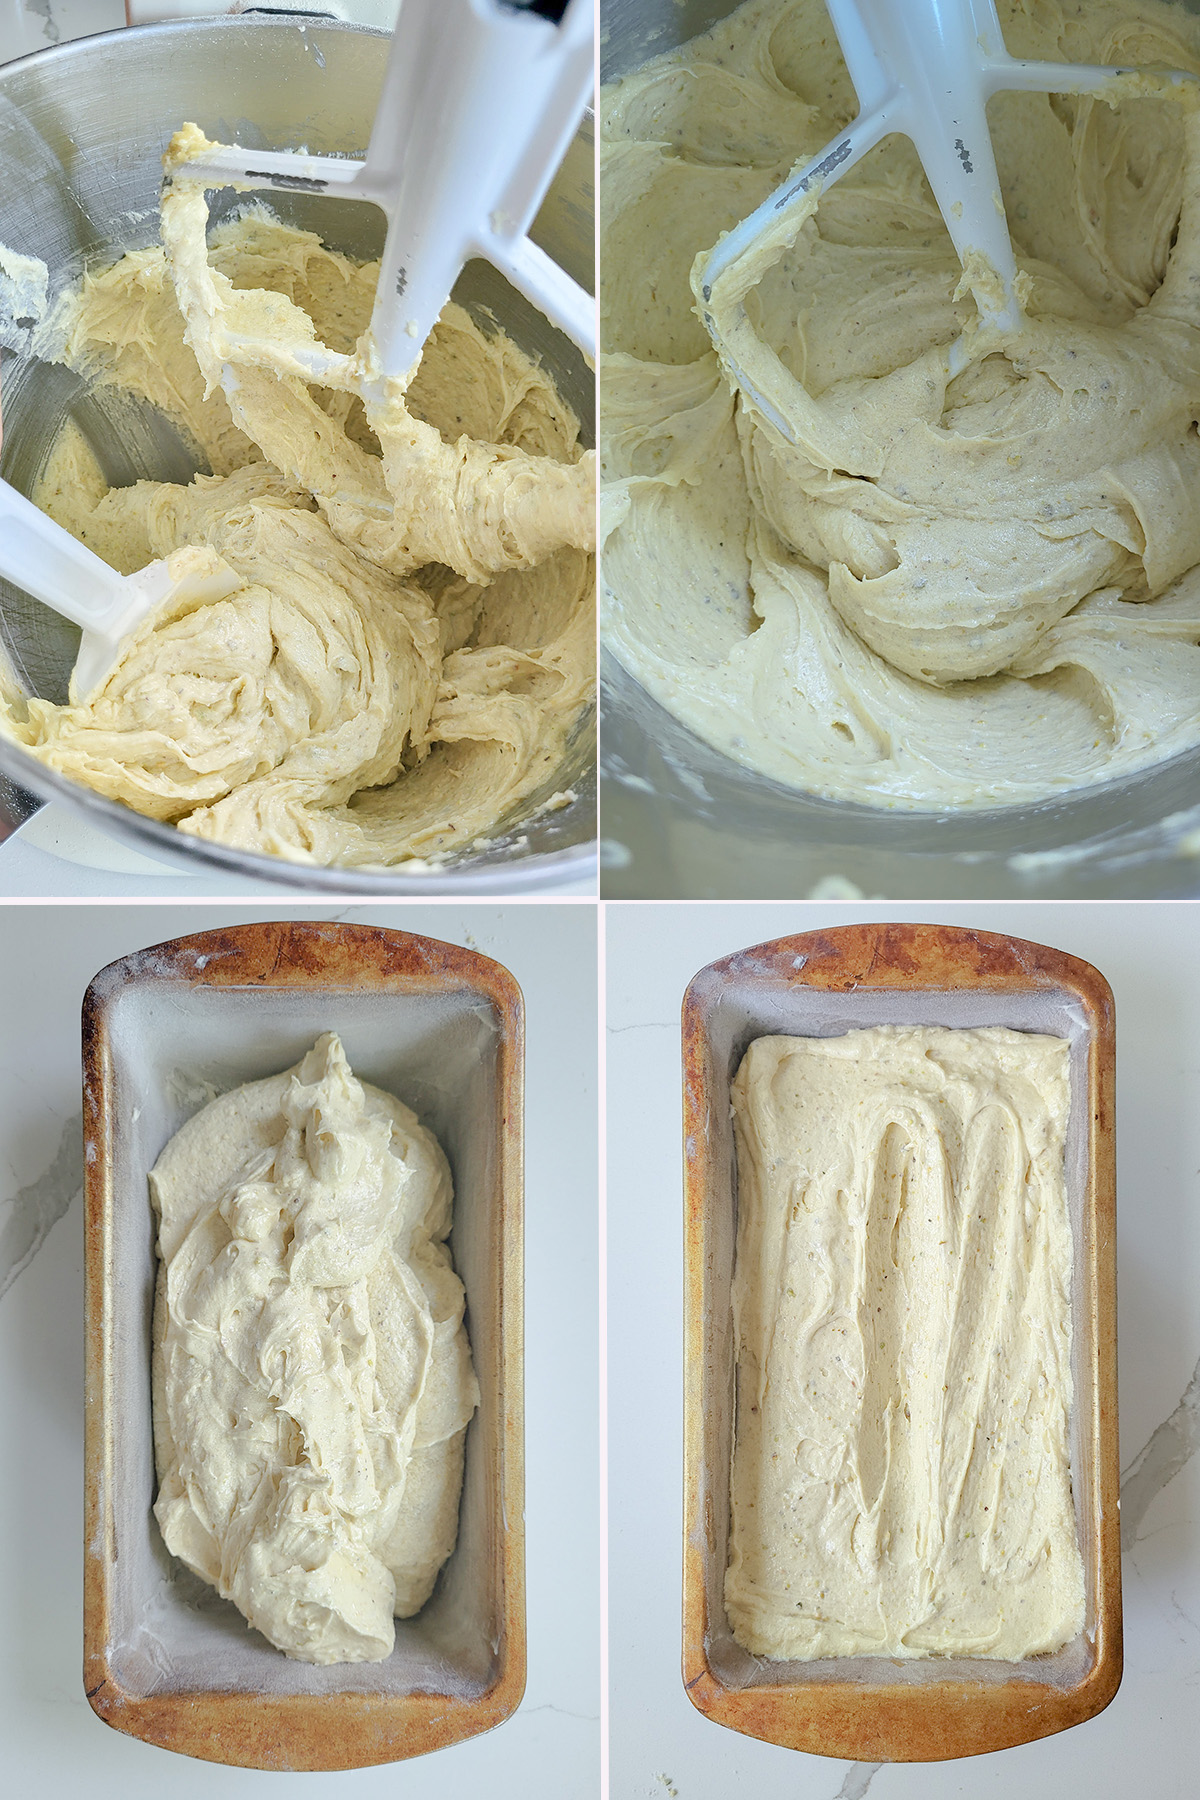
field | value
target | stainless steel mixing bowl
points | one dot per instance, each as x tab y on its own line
679	818
82	131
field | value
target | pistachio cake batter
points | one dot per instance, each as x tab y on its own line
944	593
901	1296
311	1372
409	640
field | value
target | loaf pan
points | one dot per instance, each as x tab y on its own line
824	983
165	1658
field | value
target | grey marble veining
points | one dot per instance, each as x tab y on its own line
28	25
27	1215
1168	1448
44	11
859	1777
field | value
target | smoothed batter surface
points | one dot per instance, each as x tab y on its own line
411	638
944	593
312	1380
901	1476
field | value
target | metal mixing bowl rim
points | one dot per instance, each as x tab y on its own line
269	21
853	817
545	870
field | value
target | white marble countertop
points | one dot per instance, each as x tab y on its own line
27	25
1149	1738
53	1745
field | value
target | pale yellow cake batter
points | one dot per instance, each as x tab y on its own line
311	1372
901	1296
943	593
411	637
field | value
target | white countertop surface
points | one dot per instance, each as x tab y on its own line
1148	1740
27	25
53	1745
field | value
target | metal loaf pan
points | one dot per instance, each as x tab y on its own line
820	984
165	1659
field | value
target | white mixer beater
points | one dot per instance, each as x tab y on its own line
925	68
479	102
